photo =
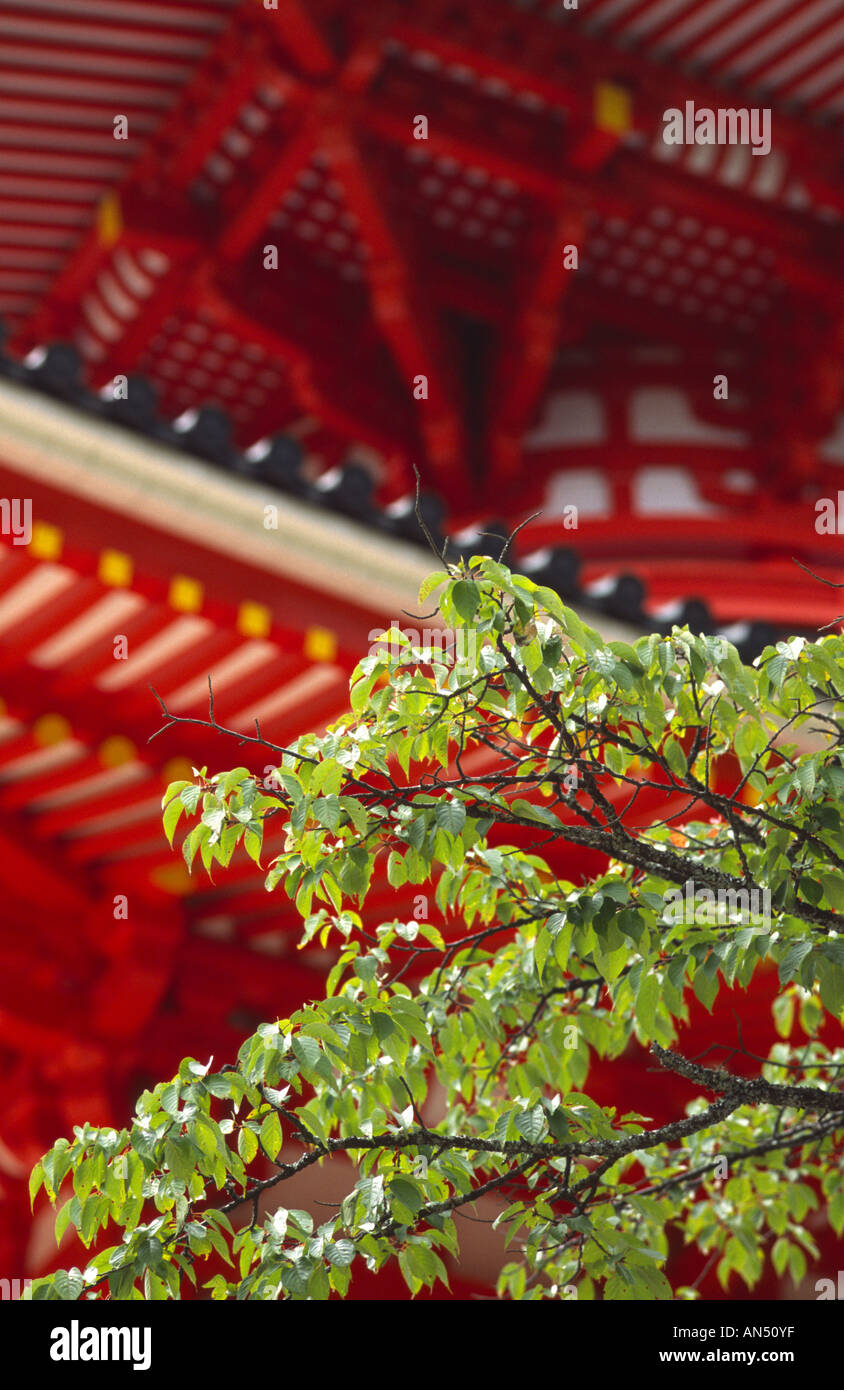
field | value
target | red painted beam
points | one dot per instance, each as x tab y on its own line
630	18
828	25
297	31
250	218
525	72
687	50
399	309
733	55
529	347
56	58
312	397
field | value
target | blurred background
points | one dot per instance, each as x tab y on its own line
258	262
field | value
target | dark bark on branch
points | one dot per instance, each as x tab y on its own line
751	1090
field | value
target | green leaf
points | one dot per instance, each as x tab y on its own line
791	961
466	596
830	978
527	810
542	946
676	758
62	1221
646	1003
836	1211
308	1052
247	1144
833	887
705	986
271	1136
407	1193
805	777
783	1011
424	1264
36	1181
531	1124
340	1253
68	1284
450	816
432	582
171	816
179	1157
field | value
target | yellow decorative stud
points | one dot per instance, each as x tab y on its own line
116	751
50	729
613	108
320	644
115	569
254	620
46	542
109	219
185	594
177	770
173	878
